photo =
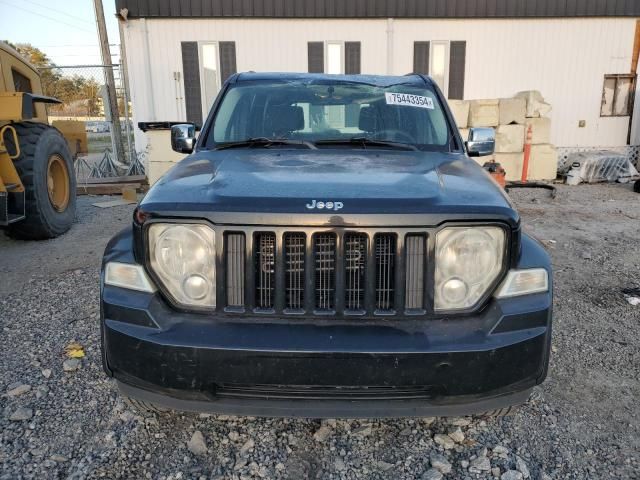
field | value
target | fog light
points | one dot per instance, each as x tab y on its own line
524	282
195	287
454	290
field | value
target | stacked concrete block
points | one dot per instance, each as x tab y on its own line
460	111
464	134
484	113
543	162
512	163
509	138
512	110
536	106
540	129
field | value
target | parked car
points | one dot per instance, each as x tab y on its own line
327	249
97	127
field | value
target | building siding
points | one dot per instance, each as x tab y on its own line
565	59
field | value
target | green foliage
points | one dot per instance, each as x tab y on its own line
80	94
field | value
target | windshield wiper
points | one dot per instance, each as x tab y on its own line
364	141
265	142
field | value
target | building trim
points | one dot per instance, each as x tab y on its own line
378	8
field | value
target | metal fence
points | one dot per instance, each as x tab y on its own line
84	98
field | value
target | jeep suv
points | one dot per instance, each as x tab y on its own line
327	249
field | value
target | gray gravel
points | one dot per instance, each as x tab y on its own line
60	421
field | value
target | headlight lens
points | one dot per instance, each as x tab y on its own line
183	258
468	260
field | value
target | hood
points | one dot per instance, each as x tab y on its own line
330	183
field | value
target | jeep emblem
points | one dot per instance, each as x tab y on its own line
325	205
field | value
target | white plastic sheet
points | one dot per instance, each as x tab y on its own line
599	166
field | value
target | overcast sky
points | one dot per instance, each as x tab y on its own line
64	29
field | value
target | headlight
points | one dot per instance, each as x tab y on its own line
468	261
183	258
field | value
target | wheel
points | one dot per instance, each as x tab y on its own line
636	186
46	169
142	406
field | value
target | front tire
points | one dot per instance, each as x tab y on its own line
46	169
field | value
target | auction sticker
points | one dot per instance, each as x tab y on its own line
408	100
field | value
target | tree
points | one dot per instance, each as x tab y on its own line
78	93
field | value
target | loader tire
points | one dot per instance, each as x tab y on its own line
46	169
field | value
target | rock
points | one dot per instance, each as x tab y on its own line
432	474
444	440
71	365
339	464
233	436
484	113
58	458
19	390
21	414
440	463
405	432
248	445
384	466
480	464
197	444
511	475
460	422
522	467
322	434
512	110
495	472
457	435
362	431
500	450
510	139
464	463
460	111
46	373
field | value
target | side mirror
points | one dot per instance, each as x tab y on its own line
183	137
481	142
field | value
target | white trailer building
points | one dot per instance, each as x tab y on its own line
581	54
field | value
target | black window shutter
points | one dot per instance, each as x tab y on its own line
227	60
191	76
421	57
352	58
316	57
457	55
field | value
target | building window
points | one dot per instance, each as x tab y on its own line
445	62
209	74
617	95
334	57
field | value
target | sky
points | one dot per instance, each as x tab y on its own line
64	29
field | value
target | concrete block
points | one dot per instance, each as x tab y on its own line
509	138
543	163
460	110
484	113
512	110
540	129
464	133
155	170
512	163
536	106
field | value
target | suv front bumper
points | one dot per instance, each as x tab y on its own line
325	368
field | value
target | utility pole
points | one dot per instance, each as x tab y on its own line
116	132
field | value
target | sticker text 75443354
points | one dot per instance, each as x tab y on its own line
408	100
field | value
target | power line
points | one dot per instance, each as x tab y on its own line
46	16
60	12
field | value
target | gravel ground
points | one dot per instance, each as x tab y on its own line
583	422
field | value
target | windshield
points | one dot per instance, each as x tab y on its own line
326	112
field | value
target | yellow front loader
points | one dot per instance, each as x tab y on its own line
37	177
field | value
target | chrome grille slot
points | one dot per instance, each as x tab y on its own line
294	251
324	247
265	263
414	276
385	256
235	250
355	259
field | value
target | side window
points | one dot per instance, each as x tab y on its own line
617	94
20	82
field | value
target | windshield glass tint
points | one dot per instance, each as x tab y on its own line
316	110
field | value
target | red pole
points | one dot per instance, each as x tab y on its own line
527	154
